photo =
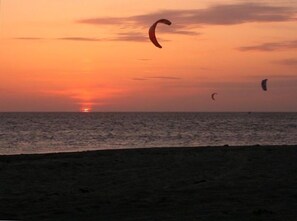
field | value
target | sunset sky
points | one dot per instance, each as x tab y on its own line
68	55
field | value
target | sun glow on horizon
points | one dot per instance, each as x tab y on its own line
86	110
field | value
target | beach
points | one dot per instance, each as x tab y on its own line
203	183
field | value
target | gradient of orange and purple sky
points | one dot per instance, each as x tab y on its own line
72	54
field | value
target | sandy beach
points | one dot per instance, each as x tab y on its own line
210	183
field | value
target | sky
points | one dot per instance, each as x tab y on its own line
73	55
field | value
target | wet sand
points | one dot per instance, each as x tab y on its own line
211	183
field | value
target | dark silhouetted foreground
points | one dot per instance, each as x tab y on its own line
223	183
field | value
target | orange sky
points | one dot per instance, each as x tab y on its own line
72	54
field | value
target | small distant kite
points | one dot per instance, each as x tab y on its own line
152	31
264	84
213	96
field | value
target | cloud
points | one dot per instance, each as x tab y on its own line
133	36
29	38
79	39
182	32
275	76
157	77
289	62
60	38
271	46
212	85
139	79
250	83
184	21
228	14
165	78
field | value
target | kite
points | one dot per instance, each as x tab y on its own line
264	84
152	31
213	96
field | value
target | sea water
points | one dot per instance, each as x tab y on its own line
58	132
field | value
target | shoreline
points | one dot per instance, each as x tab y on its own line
146	148
209	183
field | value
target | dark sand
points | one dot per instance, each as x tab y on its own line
222	183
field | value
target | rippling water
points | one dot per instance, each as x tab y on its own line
55	132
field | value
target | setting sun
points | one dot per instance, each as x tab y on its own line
86	110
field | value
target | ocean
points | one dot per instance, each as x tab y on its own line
22	133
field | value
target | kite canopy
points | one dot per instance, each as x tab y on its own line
213	96
152	31
264	84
